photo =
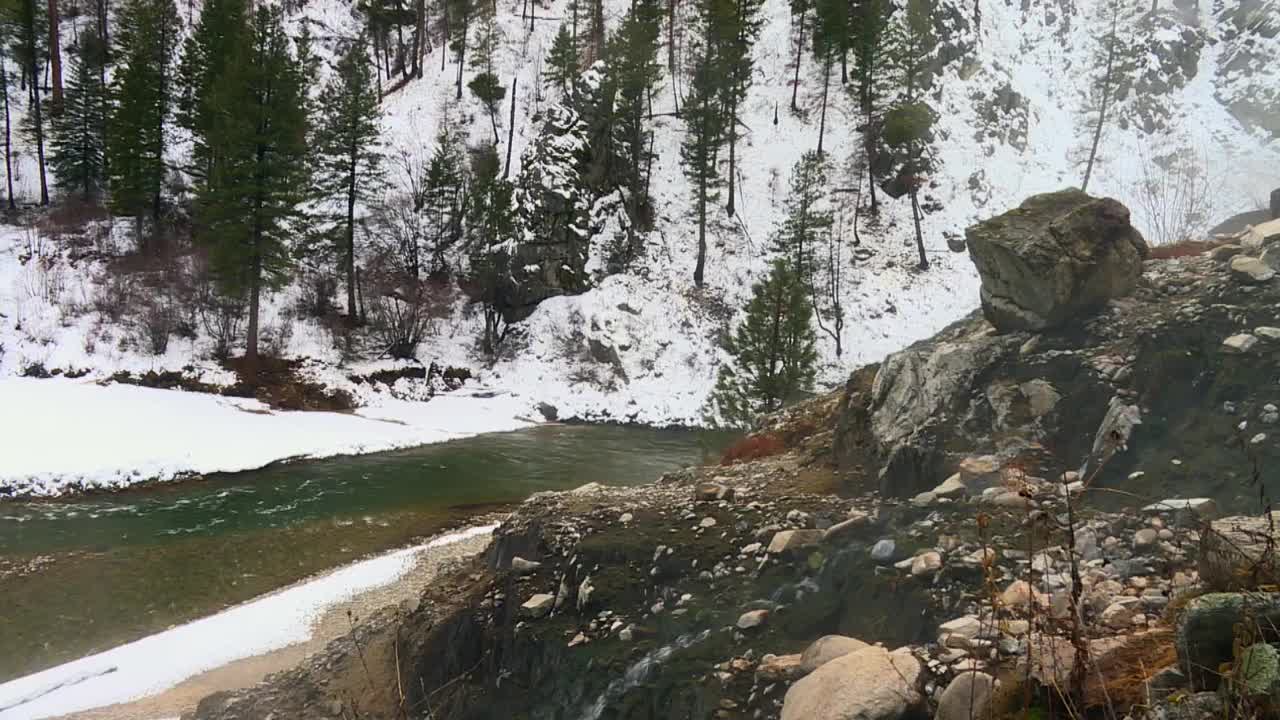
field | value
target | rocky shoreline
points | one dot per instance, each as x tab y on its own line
996	521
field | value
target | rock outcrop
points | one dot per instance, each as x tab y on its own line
1054	258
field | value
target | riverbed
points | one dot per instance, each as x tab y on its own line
84	575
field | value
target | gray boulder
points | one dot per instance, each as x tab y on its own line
968	697
1239	552
1205	633
828	648
869	684
1055	258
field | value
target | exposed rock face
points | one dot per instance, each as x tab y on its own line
828	648
1056	257
870	684
1240	550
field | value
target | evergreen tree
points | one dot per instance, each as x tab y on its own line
704	127
457	29
348	151
808	215
77	135
830	36
444	193
28	51
868	42
247	201
562	66
741	20
908	127
489	90
631	71
774	355
143	94
490	230
210	54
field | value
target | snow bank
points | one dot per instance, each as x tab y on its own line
158	662
62	435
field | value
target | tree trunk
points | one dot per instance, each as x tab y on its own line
255	292
29	18
795	86
597	30
8	151
698	270
826	86
55	57
462	55
351	237
733	151
870	147
915	216
511	128
1104	101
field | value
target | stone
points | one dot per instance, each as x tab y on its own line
966	697
952	488
883	551
626	517
1205	633
1271	257
1239	344
538	606
1238	552
924	499
828	648
1259	670
776	668
869	684
1117	615
980	472
520	566
1058	257
1041	397
752	619
1011	500
1018	595
966	627
1225	252
1145	539
708	492
1268	333
707	522
1199	508
926	564
843	529
1250	270
788	540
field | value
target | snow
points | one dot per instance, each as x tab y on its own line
62	434
153	664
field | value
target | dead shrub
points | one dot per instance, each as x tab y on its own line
753	447
1186	248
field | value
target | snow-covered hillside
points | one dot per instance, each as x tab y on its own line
1012	95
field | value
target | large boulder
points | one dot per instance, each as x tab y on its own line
1054	258
1240	552
828	648
869	684
1206	631
967	697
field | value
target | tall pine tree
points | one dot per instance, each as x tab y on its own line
869	41
348	151
143	89
704	127
490	230
246	203
77	135
908	126
774	355
562	67
210	53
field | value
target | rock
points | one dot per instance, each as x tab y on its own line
926	564
538	606
1259	670
1198	508
1011	500
626	517
966	697
1145	539
1239	344
751	549
1019	594
590	488
1250	270
844	528
627	633
1041	397
1260	235
752	619
1056	258
924	499
1271	257
869	684
952	488
585	591
775	668
966	627
1235	552
883	551
980	472
1117	615
549	412
1225	252
828	648
1113	432
577	640
787	540
708	492
520	566
707	522
1205	632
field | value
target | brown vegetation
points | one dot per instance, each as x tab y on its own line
753	447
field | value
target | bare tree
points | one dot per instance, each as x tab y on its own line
1105	90
1175	195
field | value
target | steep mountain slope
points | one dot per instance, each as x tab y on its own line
1011	87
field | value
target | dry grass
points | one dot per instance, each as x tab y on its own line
1120	679
753	447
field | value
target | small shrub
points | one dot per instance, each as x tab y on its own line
1186	248
753	447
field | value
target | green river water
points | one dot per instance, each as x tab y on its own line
81	576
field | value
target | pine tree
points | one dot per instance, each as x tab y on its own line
348	151
868	42
808	215
742	21
29	52
774	355
246	203
562	68
143	90
704	128
458	28
631	71
830	36
489	90
444	192
77	135
490	231
908	127
209	54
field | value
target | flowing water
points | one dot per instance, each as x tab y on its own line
81	576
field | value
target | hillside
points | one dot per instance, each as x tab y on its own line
1010	85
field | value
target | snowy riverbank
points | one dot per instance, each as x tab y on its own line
154	664
64	435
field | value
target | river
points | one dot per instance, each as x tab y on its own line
81	576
